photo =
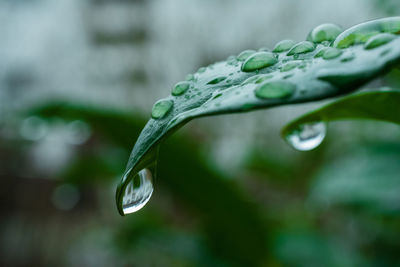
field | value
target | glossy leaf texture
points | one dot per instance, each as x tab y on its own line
382	105
310	70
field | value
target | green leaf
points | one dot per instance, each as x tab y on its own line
373	105
254	80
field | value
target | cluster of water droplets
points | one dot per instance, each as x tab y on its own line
267	74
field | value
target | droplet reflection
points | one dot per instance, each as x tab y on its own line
138	192
307	136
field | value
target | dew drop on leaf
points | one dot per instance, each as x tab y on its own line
307	136
245	54
217	80
201	70
189	77
161	108
324	32
331	53
301	48
379	40
283	46
138	192
180	88
278	89
321	52
259	60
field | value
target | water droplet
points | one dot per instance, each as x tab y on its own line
307	136
138	192
283	46
320	52
331	53
355	38
290	65
217	80
201	70
278	89
301	48
391	25
245	54
161	108
259	60
180	88
217	95
379	40
189	77
325	32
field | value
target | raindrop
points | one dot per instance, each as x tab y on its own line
245	54
325	32
189	77
331	53
217	80
379	40
161	108
180	88
259	60
283	46
301	48
278	89
138	192
321	52
201	70
307	136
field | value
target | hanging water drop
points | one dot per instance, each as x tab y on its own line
259	60
307	136
137	192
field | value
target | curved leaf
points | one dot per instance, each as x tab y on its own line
374	105
307	71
